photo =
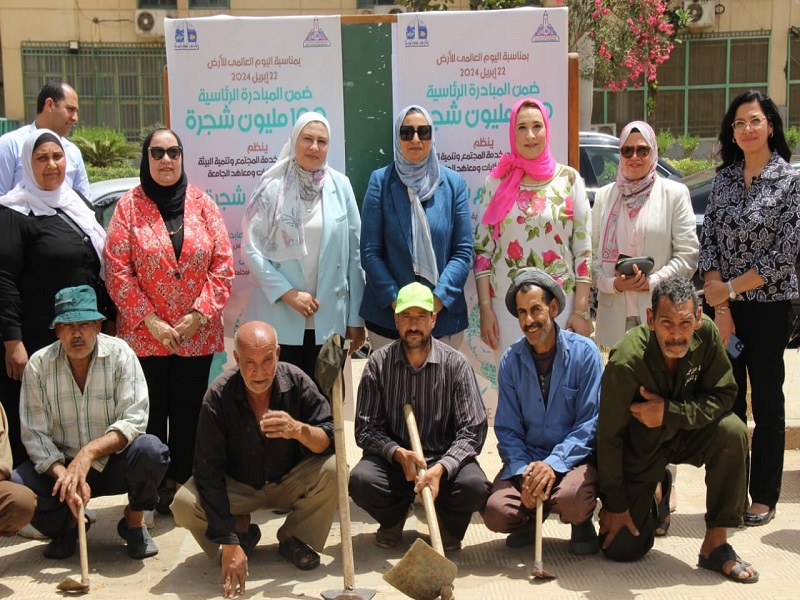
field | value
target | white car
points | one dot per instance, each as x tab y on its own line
105	195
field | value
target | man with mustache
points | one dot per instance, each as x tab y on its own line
439	384
83	414
666	397
548	396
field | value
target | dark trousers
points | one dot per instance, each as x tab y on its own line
381	489
9	396
176	385
764	327
722	448
137	471
305	356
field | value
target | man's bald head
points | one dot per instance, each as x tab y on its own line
256	352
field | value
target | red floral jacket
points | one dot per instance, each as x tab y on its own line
142	274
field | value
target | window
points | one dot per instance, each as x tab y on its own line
696	84
118	85
155	4
793	80
206	4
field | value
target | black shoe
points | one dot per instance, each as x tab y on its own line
140	544
165	497
62	546
583	540
249	540
753	520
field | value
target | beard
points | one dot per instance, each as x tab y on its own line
418	342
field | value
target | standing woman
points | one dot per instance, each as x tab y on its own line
417	228
533	212
641	214
49	240
169	268
301	235
749	245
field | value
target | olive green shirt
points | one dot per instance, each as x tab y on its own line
701	392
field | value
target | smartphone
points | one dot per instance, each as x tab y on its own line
735	346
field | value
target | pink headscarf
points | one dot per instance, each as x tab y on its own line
512	167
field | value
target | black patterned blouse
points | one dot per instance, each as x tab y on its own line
757	231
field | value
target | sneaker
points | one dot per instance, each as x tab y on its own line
522	538
63	546
584	540
389	537
149	519
165	497
449	541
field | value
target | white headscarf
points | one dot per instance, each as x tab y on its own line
27	197
273	222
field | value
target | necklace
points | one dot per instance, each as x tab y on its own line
310	207
171	233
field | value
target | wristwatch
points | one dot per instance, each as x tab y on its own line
583	314
731	293
203	318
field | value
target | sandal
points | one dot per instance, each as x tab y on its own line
662	508
300	554
717	559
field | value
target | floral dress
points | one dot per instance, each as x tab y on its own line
548	227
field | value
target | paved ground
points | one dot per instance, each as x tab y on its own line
487	568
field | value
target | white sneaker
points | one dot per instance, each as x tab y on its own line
30	532
149	519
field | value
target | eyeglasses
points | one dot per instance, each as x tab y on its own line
753	123
425	132
641	151
157	152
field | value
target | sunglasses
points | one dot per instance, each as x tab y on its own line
157	152
425	132
641	151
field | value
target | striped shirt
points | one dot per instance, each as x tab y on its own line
58	420
450	414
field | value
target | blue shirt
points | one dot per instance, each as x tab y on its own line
562	433
11	163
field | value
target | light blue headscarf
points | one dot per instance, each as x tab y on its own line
423	176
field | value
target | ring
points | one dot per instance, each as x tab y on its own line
165	341
183	338
310	310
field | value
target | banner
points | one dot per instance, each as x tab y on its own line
236	87
468	69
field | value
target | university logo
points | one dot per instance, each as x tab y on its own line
316	38
186	37
416	34
545	32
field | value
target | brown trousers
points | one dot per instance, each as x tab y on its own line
17	505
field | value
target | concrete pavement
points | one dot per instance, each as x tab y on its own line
487	568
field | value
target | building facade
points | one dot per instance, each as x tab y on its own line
112	52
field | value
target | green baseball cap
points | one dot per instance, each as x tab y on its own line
414	294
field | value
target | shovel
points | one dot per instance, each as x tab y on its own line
423	573
69	584
336	356
538	568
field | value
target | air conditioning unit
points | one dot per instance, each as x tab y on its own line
701	14
608	128
150	23
389	9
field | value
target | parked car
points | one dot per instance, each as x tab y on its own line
600	161
699	185
105	195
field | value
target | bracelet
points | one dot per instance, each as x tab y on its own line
721	309
583	314
484	302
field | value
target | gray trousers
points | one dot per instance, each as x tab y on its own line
308	491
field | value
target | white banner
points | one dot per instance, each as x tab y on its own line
468	69
236	87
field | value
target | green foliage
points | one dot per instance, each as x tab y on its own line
103	146
792	136
689	144
665	139
688	166
113	172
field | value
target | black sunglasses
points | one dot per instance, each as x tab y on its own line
425	132
157	152
641	151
